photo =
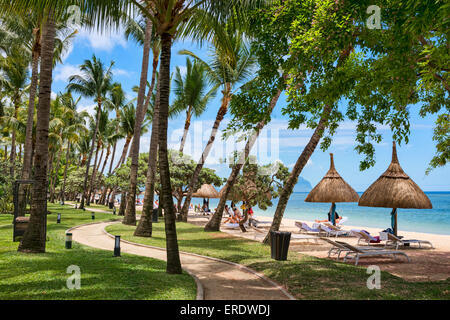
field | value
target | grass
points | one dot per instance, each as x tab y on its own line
44	276
304	276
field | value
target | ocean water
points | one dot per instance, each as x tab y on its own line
436	220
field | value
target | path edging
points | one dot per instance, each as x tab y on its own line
242	267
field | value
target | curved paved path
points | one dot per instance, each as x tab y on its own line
220	280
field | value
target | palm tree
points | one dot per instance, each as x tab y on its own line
115	101
14	82
168	18
102	13
27	31
141	109
232	63
34	237
73	132
110	137
190	93
214	223
94	82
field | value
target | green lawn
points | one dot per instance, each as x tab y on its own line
43	276
305	277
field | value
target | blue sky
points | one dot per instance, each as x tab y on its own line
276	142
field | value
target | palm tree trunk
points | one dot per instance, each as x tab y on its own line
144	228
88	163
54	178
123	204
173	255
187	124
112	158
298	167
130	215
192	184
94	172
108	152
214	223
124	151
35	236
12	157
26	170
63	189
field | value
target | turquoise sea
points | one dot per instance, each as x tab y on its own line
436	220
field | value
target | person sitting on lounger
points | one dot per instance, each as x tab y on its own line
338	218
228	210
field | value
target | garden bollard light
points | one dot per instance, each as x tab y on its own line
68	240
93	215
58	219
117	247
114	211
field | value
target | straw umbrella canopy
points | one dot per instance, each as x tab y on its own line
332	188
395	189
206	191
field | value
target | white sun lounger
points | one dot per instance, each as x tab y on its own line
259	224
356	253
365	237
333	232
395	241
338	248
304	228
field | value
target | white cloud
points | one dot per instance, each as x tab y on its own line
89	108
121	72
63	72
105	41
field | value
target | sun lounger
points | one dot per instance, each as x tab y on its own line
333	232
259	224
365	237
338	248
395	241
356	253
304	228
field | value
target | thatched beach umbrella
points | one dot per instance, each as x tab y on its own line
206	191
395	189
332	188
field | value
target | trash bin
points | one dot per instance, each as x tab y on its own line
155	215
111	205
279	244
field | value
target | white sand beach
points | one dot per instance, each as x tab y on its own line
426	264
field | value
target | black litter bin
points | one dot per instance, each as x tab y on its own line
279	244
155	215
111	205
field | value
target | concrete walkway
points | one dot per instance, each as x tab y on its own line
220	280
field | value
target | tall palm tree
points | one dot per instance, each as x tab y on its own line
215	221
94	82
102	13
34	237
27	30
75	128
141	109
168	18
115	102
14	82
233	61
191	94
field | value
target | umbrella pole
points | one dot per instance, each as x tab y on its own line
333	213
394	220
